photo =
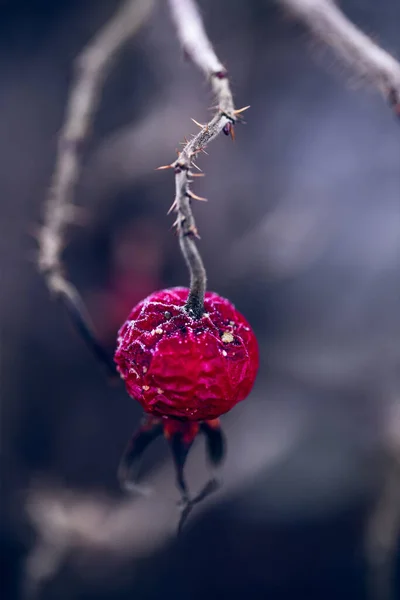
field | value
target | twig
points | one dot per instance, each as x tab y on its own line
332	27
198	48
92	67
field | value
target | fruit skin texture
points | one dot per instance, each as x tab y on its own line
185	368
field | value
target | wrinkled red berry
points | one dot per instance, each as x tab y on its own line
177	366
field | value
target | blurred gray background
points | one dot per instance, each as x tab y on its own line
301	232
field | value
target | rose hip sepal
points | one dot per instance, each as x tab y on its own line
185	368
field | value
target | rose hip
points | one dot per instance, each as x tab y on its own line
185	368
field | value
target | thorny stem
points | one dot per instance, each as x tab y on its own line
367	59
92	66
198	48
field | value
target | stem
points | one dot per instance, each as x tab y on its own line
198	277
198	48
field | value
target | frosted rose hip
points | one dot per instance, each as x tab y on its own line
177	366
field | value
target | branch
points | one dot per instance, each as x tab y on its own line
332	27
383	527
198	48
92	67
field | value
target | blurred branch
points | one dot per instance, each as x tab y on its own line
383	530
68	520
332	27
92	67
198	48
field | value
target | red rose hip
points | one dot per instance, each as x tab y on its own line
185	372
185	368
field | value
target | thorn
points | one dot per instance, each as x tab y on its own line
193	231
240	110
163	167
197	123
196	174
197	151
197	167
177	151
178	221
232	132
195	196
172	207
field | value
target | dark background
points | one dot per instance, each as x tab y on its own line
301	232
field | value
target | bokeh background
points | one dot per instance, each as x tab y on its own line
301	232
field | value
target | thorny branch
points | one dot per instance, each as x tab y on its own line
92	67
328	23
323	18
362	55
198	48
